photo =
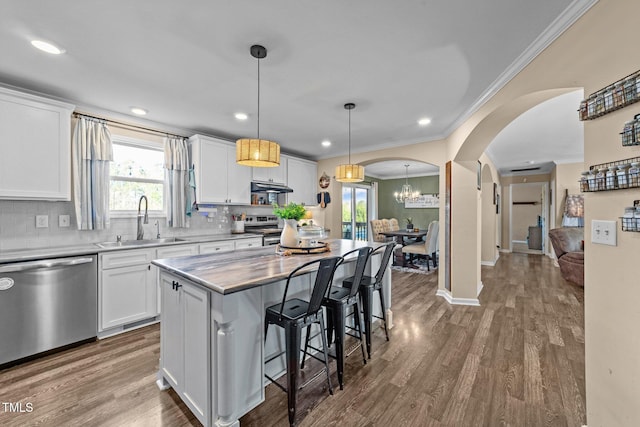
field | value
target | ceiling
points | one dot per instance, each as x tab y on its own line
393	169
189	65
546	134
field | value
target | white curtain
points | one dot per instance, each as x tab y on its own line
92	153
176	172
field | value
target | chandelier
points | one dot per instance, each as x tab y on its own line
258	152
407	192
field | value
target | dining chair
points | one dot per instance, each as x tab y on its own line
428	248
293	315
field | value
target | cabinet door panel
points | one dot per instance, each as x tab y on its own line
301	176
127	295
195	303
213	171
171	348
43	131
126	258
238	180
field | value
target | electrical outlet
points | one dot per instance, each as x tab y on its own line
63	220
603	232
42	221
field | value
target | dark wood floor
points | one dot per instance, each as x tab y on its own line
516	360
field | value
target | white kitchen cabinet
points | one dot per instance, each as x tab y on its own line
185	345
248	243
219	179
35	147
215	247
302	176
276	175
127	290
171	252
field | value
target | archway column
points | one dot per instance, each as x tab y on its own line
463	284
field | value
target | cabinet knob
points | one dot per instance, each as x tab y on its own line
178	286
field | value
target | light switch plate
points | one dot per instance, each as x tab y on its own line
42	221
63	221
603	232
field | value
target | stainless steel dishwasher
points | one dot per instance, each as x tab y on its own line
46	304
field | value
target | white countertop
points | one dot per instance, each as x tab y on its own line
93	248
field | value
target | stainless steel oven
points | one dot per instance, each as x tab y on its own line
267	225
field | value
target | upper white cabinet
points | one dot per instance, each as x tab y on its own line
276	175
219	179
35	147
302	177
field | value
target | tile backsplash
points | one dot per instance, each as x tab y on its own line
18	226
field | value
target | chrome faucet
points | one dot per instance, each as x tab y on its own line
142	218
157	229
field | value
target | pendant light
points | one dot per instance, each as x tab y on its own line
258	152
349	172
407	192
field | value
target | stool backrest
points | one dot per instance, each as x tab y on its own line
324	277
361	264
386	256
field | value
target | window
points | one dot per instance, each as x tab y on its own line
136	170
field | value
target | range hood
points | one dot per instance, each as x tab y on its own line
269	187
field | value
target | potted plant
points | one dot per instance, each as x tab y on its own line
291	214
409	224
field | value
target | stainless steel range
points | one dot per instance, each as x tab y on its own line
267	225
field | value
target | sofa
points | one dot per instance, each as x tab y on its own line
568	244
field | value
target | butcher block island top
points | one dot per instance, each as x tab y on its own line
231	272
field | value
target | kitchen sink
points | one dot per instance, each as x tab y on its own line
135	243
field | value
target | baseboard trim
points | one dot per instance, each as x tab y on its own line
480	287
505	251
457	301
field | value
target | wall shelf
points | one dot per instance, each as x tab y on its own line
622	93
595	184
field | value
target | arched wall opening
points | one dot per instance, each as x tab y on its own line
466	146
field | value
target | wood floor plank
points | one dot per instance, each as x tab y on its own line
516	360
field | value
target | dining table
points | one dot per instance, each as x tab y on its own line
401	235
402	238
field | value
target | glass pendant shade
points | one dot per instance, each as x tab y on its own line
349	173
257	153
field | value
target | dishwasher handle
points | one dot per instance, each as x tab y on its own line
45	263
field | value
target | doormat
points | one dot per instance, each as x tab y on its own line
419	266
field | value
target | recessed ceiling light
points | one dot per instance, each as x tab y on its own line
531	162
47	47
424	121
326	143
139	111
241	116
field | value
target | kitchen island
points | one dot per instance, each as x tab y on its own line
212	347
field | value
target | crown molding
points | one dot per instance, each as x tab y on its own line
559	25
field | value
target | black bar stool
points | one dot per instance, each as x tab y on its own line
337	302
293	315
367	286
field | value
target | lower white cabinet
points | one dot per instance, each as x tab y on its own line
215	247
248	243
127	289
185	344
171	252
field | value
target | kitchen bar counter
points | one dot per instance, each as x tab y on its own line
93	248
212	343
235	271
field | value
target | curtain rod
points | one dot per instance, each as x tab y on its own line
129	126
